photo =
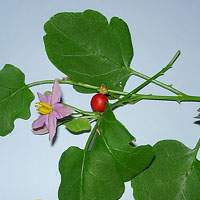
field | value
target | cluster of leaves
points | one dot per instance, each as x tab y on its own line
90	50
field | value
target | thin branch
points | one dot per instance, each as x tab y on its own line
160	73
147	82
159	83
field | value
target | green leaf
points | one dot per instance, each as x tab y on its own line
78	125
88	175
174	175
15	98
99	171
88	49
130	160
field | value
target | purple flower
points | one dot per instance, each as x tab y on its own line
50	110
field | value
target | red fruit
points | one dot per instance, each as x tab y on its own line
98	102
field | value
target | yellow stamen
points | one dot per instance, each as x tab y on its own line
43	108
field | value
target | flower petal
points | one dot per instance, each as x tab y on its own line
52	126
41	131
42	97
62	110
56	93
39	122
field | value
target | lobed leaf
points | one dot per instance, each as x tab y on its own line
174	175
88	49
15	98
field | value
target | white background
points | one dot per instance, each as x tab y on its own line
28	164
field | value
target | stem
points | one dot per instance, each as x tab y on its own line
179	99
91	138
81	111
159	83
91	118
69	82
134	72
197	146
62	82
160	73
147	82
131	97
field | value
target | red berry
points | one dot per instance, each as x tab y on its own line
98	102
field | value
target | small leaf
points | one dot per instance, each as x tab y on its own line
78	125
99	172
15	98
174	174
88	49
